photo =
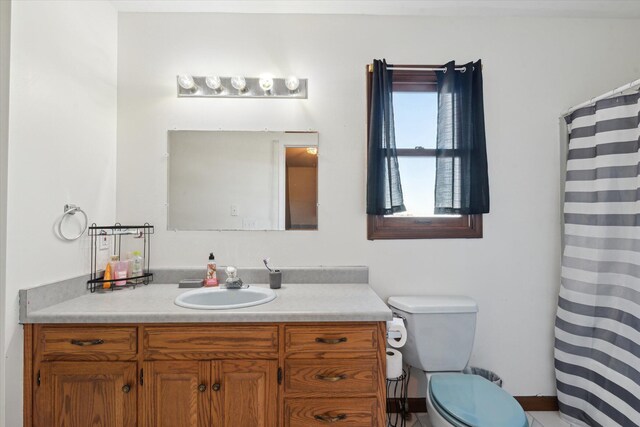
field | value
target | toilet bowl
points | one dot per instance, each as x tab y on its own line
440	334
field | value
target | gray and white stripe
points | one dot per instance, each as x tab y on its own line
597	347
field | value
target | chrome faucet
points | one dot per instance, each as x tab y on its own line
233	281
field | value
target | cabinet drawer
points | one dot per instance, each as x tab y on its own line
210	339
330	338
333	377
94	342
337	412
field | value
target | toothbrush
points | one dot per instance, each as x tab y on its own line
266	264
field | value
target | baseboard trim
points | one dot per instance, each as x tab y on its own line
538	403
528	403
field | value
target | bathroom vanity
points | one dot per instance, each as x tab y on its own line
277	364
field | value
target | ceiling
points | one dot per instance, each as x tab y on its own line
547	8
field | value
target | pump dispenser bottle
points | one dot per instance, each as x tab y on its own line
211	278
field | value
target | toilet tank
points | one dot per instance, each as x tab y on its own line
440	330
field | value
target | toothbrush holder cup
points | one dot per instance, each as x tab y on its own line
275	279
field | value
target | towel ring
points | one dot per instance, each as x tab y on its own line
71	210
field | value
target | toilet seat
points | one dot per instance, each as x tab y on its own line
472	401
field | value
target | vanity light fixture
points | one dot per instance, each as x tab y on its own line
213	82
186	82
265	86
239	83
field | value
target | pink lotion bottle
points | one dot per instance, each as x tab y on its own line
121	272
211	278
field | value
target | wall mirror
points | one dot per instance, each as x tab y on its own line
242	180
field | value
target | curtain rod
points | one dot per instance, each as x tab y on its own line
603	96
414	68
399	67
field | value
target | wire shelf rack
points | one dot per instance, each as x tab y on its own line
115	232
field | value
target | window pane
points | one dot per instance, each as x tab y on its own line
415	119
418	177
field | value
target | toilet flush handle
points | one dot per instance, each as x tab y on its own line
398	315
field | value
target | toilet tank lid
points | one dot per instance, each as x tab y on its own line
434	304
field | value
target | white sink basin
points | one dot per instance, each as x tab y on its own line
224	299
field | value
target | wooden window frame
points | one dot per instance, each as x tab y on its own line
380	227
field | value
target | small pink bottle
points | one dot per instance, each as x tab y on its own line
211	279
121	272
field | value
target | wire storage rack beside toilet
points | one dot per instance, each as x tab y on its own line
397	405
115	233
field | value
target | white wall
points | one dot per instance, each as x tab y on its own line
62	149
533	70
5	40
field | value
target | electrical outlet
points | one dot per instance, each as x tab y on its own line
234	210
103	244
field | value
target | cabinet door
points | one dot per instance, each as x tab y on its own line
245	393
176	393
81	394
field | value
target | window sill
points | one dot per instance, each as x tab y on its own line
398	228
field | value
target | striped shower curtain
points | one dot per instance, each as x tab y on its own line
597	345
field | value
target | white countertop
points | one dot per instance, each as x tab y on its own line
352	302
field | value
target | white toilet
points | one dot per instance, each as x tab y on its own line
440	332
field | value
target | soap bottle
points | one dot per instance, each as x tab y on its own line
119	270
128	260
211	278
122	270
108	275
136	266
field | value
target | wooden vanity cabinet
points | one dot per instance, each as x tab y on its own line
202	375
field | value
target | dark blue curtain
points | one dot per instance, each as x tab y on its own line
384	191
462	182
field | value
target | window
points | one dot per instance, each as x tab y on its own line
415	104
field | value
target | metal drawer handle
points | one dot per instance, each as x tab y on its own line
332	379
326	418
126	388
87	342
216	387
331	341
202	388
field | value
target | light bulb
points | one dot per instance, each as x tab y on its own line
238	83
292	83
312	150
213	82
186	82
266	83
